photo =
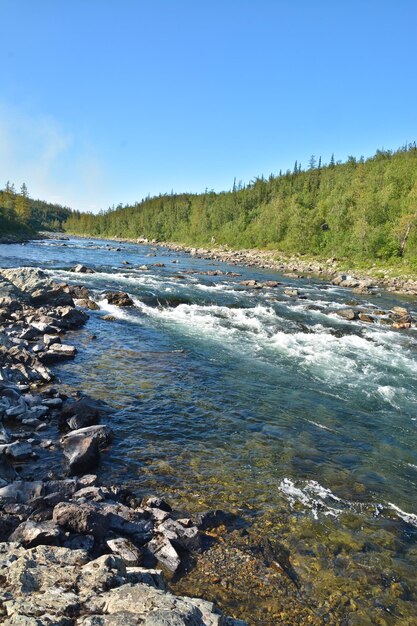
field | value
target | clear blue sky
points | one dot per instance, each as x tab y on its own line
105	101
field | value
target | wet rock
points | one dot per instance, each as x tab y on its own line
364	317
58	352
19	450
251	283
82	452
109	318
158	503
213	519
87	304
70	318
82	269
119	298
102	434
186	538
401	318
291	292
79	414
347	314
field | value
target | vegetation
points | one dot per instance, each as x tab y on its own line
22	215
360	210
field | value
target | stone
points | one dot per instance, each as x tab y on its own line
213	519
86	303
79	414
364	317
31	533
126	550
70	318
119	298
102	434
58	352
180	536
22	491
37	285
165	553
347	314
19	450
48	340
82	269
157	503
81	452
291	292
81	518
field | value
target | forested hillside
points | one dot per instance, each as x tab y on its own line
19	213
360	209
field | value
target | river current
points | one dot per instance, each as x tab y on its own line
252	400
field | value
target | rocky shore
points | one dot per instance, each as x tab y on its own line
72	550
296	266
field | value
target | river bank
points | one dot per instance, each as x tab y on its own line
72	550
394	279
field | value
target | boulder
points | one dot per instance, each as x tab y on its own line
347	314
102	434
70	318
85	519
81	452
86	303
119	298
79	414
82	269
38	286
165	553
31	533
126	550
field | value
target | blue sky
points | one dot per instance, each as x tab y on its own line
105	101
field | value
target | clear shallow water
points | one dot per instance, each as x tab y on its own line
268	404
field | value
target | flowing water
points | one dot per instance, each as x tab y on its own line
266	404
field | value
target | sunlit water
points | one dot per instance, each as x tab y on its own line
256	401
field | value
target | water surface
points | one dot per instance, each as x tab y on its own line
267	404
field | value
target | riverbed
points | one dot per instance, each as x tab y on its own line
263	403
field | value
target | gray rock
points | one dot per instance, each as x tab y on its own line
81	452
22	491
81	518
19	450
102	434
165	553
126	550
82	269
31	533
347	314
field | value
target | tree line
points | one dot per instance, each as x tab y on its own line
361	209
21	213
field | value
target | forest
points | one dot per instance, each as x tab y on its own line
21	214
361	210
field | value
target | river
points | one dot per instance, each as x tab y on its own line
258	402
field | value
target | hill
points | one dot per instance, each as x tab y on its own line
360	210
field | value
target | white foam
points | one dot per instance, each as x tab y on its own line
409	518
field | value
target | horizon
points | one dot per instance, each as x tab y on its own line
105	105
